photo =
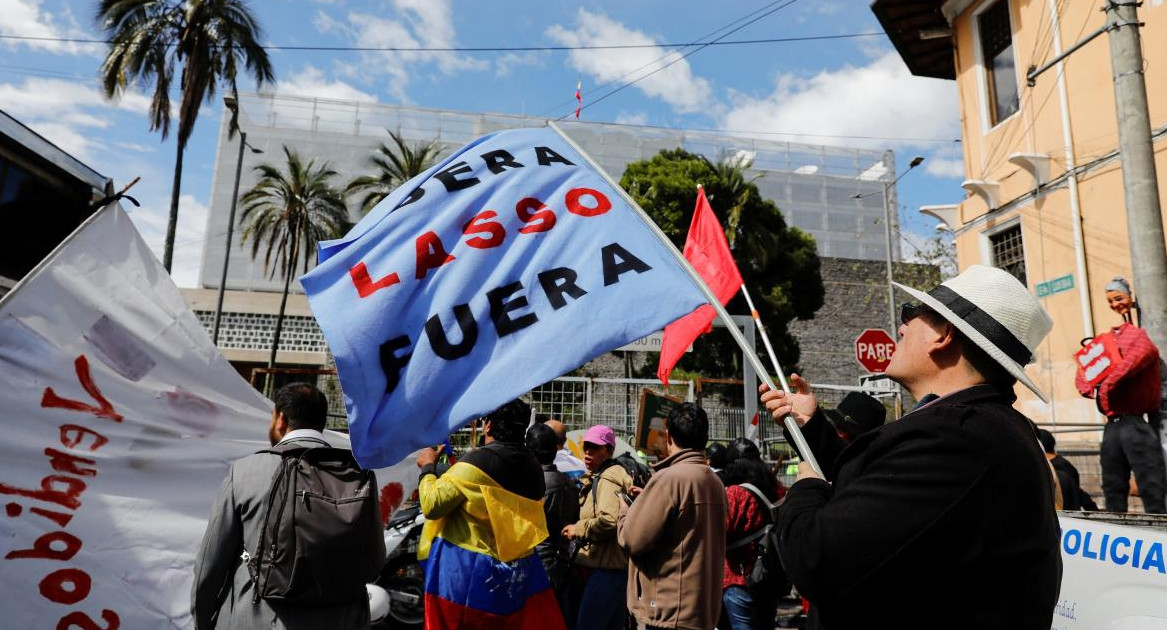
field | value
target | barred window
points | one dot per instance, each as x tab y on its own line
996	36
1009	252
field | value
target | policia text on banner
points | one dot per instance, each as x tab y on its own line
1123	551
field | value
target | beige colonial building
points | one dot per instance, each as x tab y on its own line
1044	180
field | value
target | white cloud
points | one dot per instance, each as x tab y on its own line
66	112
26	18
151	219
419	24
135	147
676	85
310	82
507	63
945	167
58	98
639	118
879	99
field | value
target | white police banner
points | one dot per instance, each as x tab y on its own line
120	419
504	266
1113	576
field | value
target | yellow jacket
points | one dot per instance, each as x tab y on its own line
599	508
467	508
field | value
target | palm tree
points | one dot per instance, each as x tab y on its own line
291	212
206	39
393	167
732	191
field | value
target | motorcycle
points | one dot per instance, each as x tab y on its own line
401	578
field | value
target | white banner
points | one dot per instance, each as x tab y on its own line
1114	577
120	419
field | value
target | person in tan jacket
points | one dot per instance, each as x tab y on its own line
601	606
674	533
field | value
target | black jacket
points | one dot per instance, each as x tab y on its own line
1073	496
561	506
510	465
943	519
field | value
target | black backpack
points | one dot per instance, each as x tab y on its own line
313	548
768	577
636	469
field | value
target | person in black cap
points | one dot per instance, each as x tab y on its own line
951	505
855	415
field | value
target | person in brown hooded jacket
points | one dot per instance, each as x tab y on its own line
674	533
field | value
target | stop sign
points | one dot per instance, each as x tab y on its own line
873	349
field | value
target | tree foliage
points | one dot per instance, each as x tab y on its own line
290	211
777	261
393	166
202	42
937	252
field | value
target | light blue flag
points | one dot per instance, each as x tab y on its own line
505	266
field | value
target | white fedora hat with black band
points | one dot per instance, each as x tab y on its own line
996	312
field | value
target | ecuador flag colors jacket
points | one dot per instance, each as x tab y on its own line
484	518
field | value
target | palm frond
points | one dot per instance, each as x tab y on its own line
290	210
392	166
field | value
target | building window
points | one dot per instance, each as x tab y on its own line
997	49
1008	252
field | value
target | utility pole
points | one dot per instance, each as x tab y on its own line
1144	215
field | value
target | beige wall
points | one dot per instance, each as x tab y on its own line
1046	215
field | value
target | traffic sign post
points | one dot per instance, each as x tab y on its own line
874	384
873	349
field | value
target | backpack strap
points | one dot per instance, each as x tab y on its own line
290	455
758	493
770	509
598	476
295	447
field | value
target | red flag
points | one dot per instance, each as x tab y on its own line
708	252
752	430
578	98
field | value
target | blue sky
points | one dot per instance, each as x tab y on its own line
839	91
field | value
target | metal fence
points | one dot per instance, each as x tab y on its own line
581	402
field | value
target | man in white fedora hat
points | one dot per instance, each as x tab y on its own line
949	510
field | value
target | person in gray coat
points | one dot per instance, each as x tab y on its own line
222	595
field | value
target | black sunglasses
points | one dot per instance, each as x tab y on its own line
912	310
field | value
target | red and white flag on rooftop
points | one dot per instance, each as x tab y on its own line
707	250
578	98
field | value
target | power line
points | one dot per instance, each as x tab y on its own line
500	49
662	57
742	132
699	48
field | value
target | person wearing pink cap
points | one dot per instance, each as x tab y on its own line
601	606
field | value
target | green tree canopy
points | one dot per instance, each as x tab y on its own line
778	262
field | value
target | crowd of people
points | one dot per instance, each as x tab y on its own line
618	547
949	510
